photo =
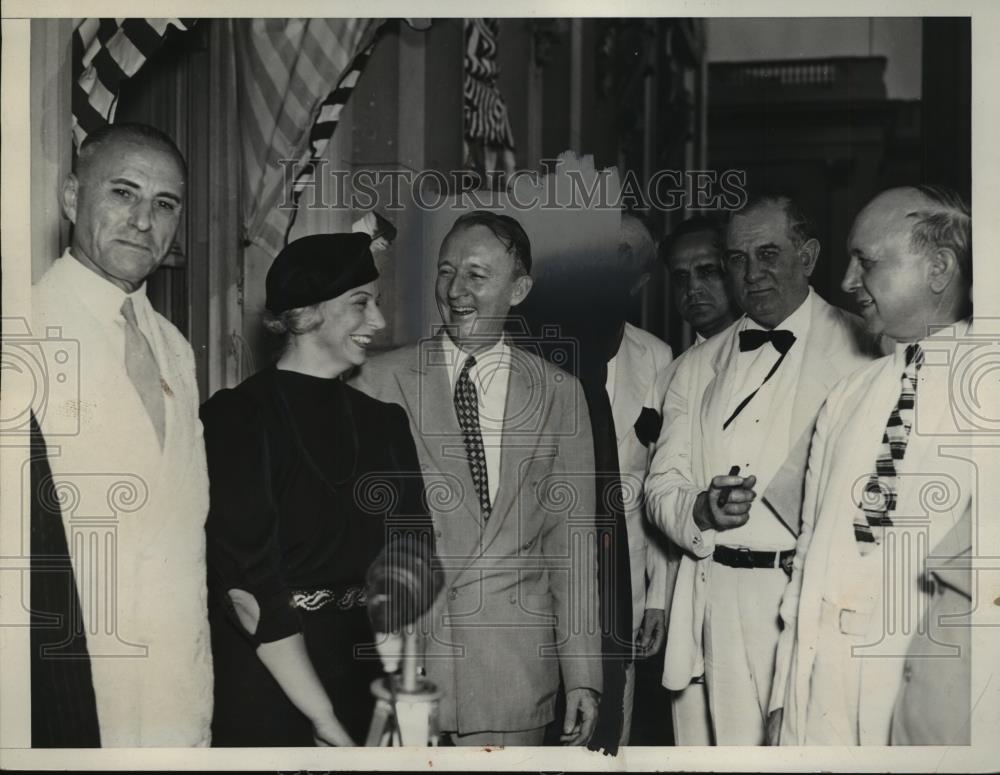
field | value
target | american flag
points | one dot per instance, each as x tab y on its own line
285	68
108	52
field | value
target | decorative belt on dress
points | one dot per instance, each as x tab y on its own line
344	598
741	557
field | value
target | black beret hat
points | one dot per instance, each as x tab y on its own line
317	268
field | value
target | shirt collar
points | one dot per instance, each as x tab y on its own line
102	297
499	353
940	338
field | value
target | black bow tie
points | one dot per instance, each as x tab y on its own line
754	338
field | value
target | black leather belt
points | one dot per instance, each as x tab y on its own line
741	557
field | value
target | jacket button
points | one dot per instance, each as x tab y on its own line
513	599
527	546
452	594
907	672
438	534
696	539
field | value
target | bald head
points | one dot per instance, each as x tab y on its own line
911	260
636	247
124	200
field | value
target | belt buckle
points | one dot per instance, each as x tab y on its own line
745	556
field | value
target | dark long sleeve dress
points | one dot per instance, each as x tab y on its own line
309	479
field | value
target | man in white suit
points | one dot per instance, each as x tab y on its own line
876	453
693	257
743	398
634	376
134	461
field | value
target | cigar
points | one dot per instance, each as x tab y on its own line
724	493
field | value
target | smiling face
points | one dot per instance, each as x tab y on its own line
125	206
349	323
476	286
769	274
698	284
891	282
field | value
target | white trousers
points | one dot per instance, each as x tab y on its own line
689	710
740	640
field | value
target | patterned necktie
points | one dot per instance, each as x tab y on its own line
467	409
879	498
140	363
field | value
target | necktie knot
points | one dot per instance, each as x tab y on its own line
754	338
914	355
128	311
469	363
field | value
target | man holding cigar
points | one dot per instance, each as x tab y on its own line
739	403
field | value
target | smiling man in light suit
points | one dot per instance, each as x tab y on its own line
507	436
880	447
744	398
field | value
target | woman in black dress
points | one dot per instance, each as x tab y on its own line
309	480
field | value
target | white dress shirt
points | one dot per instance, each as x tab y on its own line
756	440
104	300
490	376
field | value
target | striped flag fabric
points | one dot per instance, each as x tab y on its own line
324	127
488	137
107	52
285	68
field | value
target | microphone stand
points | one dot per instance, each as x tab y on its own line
406	704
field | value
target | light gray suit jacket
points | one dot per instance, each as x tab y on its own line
519	604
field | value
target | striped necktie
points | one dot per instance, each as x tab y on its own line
467	410
140	363
879	497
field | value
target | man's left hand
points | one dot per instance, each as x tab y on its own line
581	716
653	632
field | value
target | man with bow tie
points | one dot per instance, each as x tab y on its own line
745	398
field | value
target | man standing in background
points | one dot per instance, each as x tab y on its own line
634	374
693	257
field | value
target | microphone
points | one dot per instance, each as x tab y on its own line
403	581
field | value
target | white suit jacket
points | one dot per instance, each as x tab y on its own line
835	346
935	480
134	517
639	365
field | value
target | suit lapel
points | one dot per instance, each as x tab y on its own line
714	399
426	389
516	447
819	372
